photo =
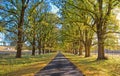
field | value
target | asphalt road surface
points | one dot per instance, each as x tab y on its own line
60	66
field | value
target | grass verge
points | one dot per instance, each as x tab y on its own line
91	67
25	66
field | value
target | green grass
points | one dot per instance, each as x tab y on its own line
25	66
91	67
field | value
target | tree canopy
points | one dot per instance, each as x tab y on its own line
85	24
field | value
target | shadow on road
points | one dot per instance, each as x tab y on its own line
59	66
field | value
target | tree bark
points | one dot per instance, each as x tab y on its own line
39	46
75	51
20	33
43	49
100	34
101	54
33	46
87	50
80	49
87	44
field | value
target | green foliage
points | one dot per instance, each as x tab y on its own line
1	29
85	15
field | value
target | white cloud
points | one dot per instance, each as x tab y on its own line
54	8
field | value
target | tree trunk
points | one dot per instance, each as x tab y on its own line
43	49
80	48
86	51
80	52
87	44
20	33
101	54
39	47
100	32
89	50
49	50
33	46
75	51
72	51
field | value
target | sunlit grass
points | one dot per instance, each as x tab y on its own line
25	66
91	67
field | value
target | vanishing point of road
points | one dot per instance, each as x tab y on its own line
60	66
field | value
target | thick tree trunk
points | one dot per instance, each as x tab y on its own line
80	50
89	47
87	50
43	49
101	54
33	50
102	27
20	33
100	32
75	52
100	37
87	44
49	51
33	46
72	51
39	47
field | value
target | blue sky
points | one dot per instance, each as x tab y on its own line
1	36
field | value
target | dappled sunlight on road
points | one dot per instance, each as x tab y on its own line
59	66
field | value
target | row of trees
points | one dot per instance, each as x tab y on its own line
87	23
84	23
29	22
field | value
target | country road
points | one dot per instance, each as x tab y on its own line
60	66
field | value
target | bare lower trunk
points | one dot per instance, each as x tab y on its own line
72	51
80	50
43	49
101	54
33	47
19	49
87	51
75	52
49	51
33	50
87	44
39	48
